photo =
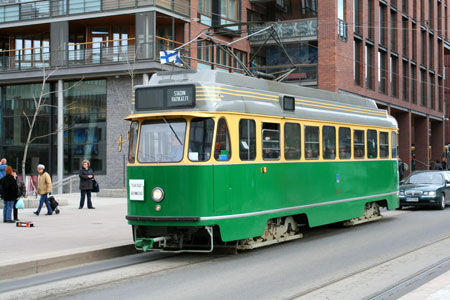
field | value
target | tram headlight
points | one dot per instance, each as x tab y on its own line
157	194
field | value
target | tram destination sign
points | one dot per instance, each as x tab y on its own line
158	98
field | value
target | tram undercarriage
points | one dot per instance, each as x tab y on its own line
207	238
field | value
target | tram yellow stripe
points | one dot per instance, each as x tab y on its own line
239	91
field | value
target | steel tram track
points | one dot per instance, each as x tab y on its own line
393	288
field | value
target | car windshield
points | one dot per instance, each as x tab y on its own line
425	178
162	140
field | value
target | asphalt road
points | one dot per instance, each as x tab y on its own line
302	269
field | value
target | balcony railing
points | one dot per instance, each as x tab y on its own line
31	10
87	53
286	30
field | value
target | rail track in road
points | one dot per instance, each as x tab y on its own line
394	290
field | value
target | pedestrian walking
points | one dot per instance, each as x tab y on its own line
401	169
44	189
10	194
22	191
86	176
438	165
3	165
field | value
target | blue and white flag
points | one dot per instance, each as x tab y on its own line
170	56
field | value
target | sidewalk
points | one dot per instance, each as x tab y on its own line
74	236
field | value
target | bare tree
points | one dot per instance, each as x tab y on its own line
39	104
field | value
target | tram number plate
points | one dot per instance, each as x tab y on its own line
412	199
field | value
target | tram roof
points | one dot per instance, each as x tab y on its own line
233	92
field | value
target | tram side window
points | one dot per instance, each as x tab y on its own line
222	150
345	143
384	144
292	141
247	139
358	143
311	142
200	139
271	141
372	143
394	144
329	142
132	142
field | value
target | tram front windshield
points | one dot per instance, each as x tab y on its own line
162	141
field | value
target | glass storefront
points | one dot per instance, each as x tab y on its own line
16	102
84	116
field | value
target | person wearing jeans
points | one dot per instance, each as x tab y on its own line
10	193
44	188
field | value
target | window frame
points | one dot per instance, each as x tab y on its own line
370	149
227	140
307	142
359	144
249	139
323	143
380	145
299	149
344	145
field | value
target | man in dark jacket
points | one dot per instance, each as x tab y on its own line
86	176
10	193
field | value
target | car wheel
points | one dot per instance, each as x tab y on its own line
441	205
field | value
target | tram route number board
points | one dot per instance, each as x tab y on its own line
137	189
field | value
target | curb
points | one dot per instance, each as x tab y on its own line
50	264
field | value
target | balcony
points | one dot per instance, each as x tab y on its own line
33	10
303	30
121	51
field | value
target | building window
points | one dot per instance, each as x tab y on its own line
405	34
431	51
394	30
439	17
308	8
204	6
394	76
439	57
369	66
242	56
229	9
204	54
431	86
223	59
382	66
357	62
422	11
340	9
413	84
357	16
423	89
382	24
431	14
423	44
405	6
440	97
405	78
370	19
414	41
18	101
87	137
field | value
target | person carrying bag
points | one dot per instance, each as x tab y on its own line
86	183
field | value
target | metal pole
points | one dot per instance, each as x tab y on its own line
60	145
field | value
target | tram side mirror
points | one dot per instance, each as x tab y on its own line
121	141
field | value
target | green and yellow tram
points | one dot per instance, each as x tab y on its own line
219	158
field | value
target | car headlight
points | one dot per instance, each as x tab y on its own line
402	193
429	193
157	194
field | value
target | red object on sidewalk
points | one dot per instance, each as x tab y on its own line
25	224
